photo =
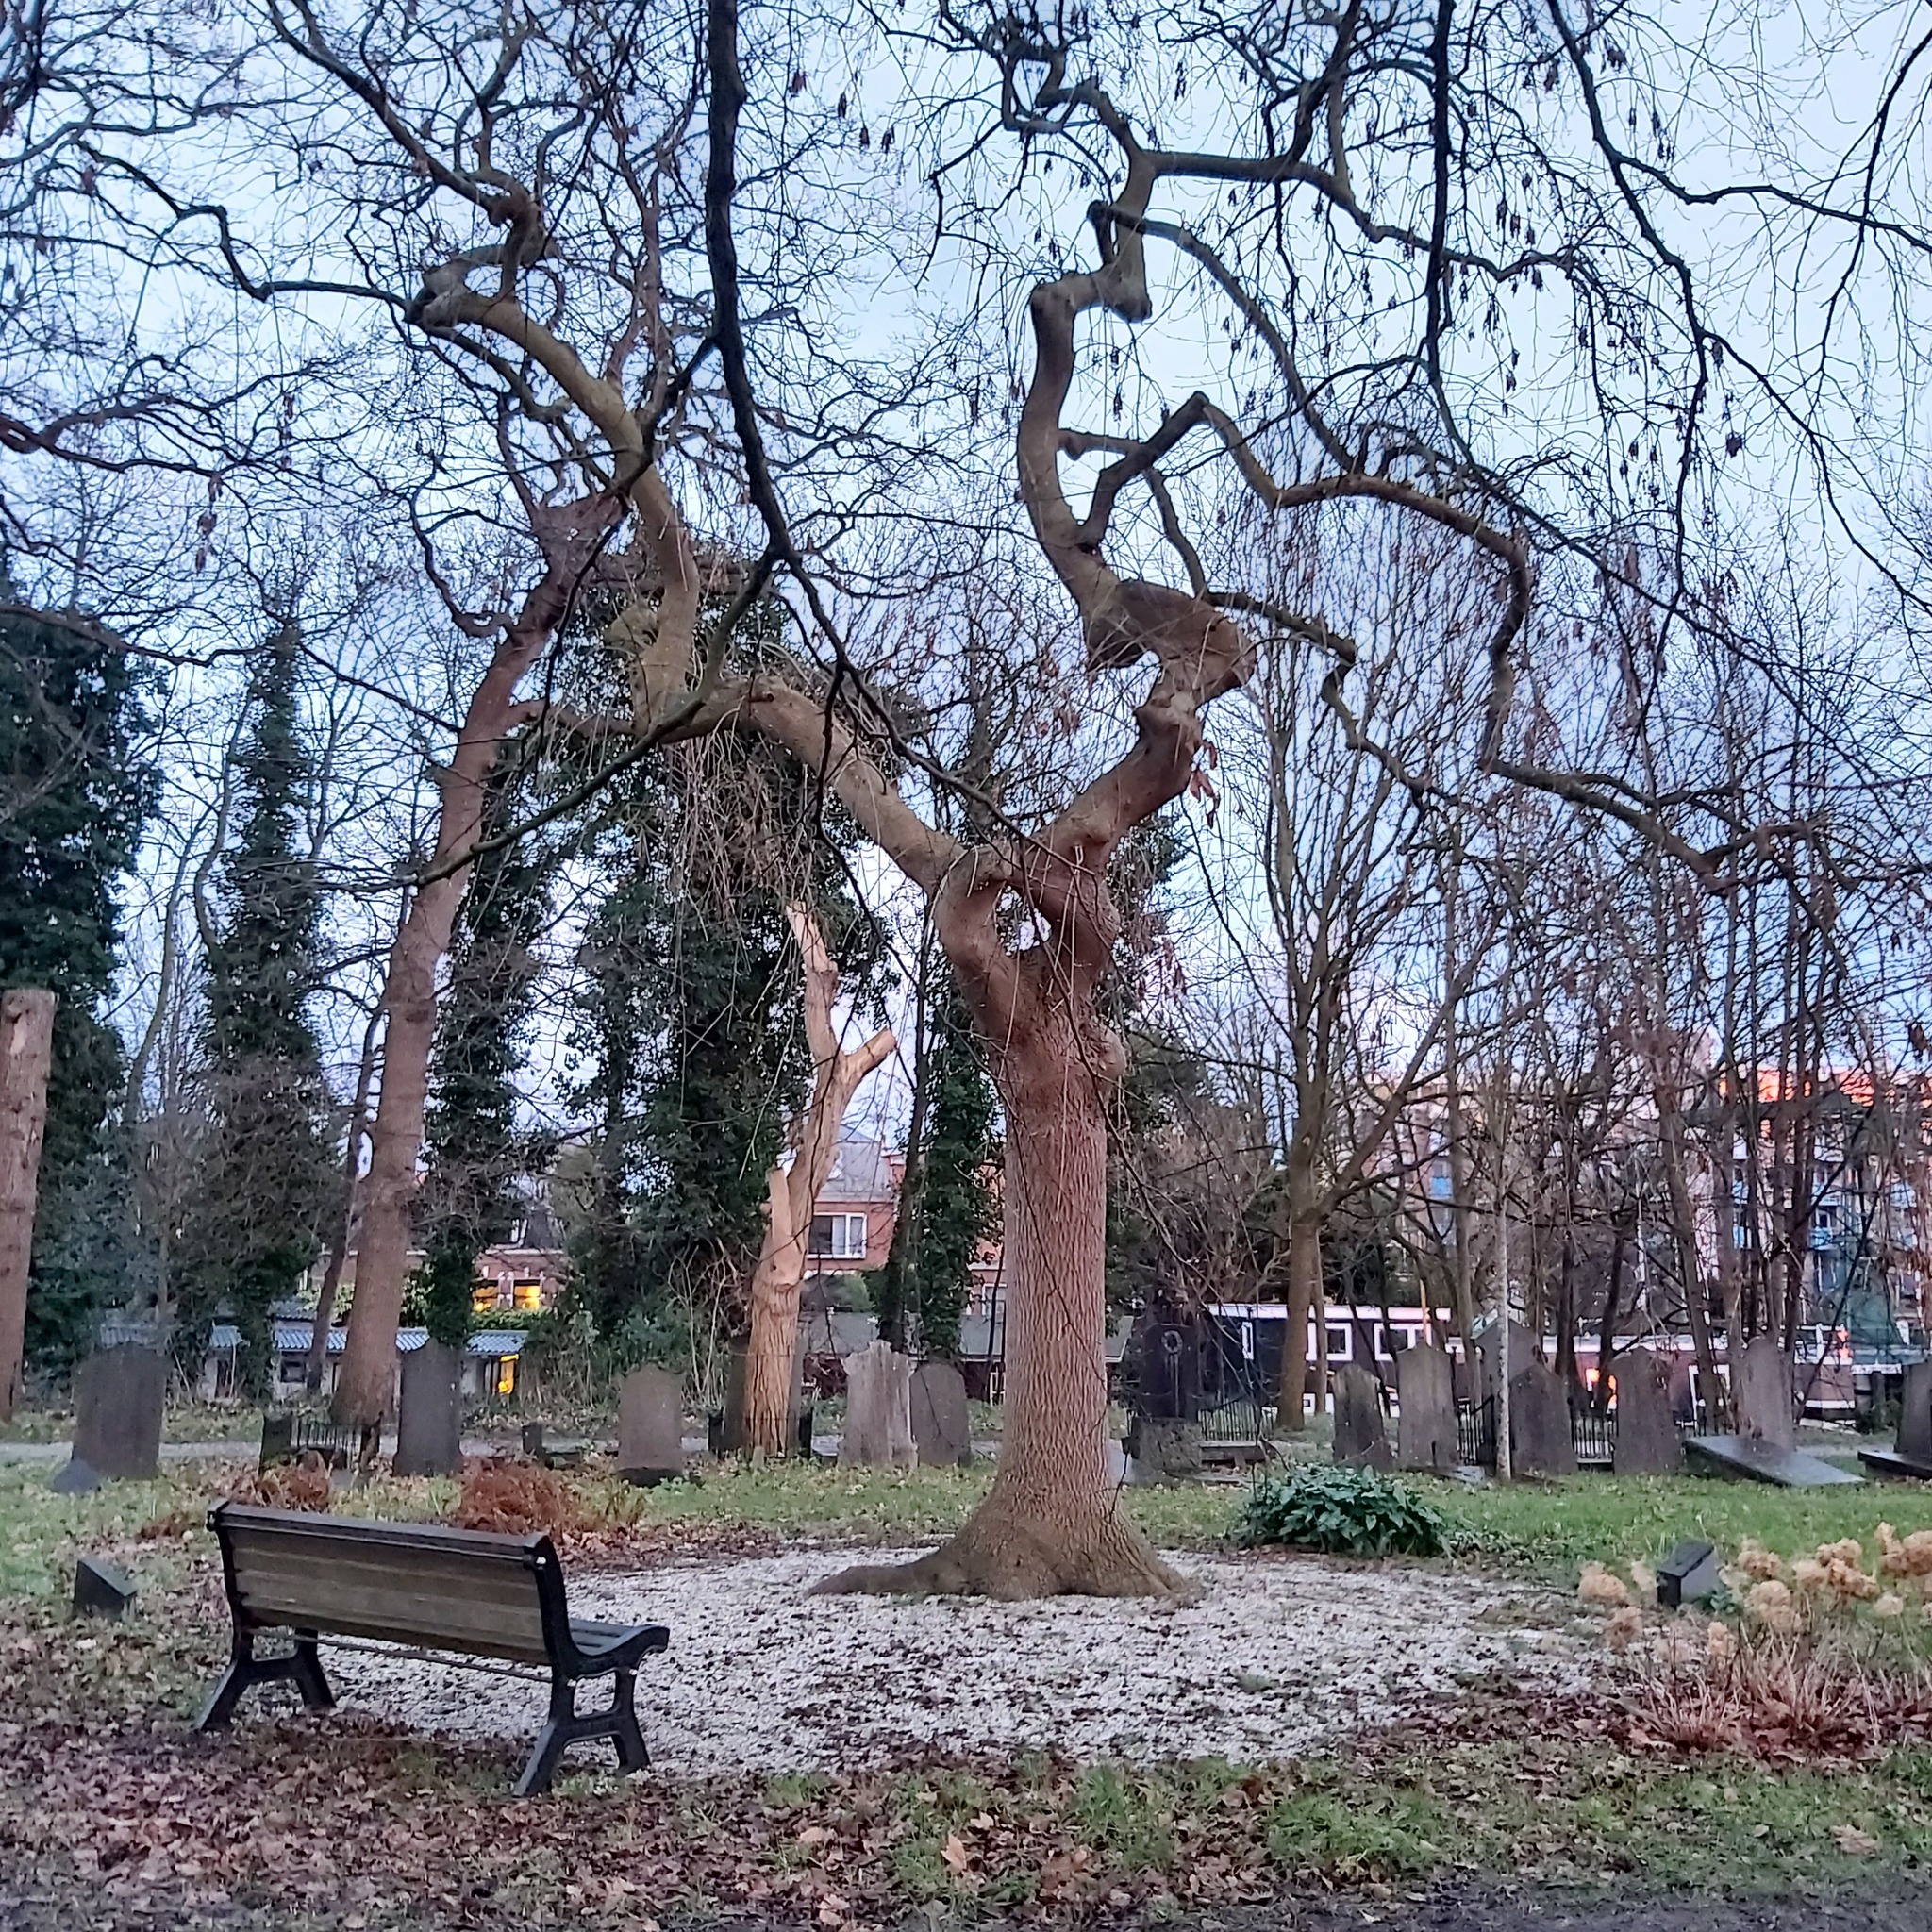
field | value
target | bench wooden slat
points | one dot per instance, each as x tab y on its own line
453	1623
290	1564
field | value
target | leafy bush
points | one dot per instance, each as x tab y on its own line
1341	1512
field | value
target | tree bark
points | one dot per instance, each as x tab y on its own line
1052	1522
778	1279
366	1391
1304	1289
317	1362
26	1051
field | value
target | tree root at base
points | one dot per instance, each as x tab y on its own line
998	1556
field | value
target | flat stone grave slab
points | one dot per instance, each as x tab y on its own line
1895	1465
1758	1460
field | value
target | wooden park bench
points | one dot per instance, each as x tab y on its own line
424	1588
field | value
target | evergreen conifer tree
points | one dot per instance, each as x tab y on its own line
76	783
477	1149
270	1174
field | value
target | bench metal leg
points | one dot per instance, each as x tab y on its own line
301	1667
566	1727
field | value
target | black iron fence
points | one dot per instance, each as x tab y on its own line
289	1438
1592	1437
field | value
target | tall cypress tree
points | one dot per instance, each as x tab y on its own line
476	1148
270	1174
688	1021
947	1207
77	784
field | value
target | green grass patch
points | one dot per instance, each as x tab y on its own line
1552	1526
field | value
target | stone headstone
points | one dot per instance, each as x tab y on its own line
1763	1462
1915	1414
650	1427
118	1393
1425	1419
102	1590
1647	1439
1761	1383
1162	1452
941	1428
1521	1353
531	1436
429	1419
1359	1440
878	1410
1539	1438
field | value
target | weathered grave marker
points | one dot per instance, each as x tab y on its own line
878	1410
650	1427
1426	1418
1361	1442
941	1427
1762	1386
429	1418
118	1396
1647	1439
1539	1438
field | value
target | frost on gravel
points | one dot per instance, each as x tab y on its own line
1278	1655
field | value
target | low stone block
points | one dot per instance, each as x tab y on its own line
102	1590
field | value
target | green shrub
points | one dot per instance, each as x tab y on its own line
1343	1512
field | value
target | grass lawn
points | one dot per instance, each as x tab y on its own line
1491	1789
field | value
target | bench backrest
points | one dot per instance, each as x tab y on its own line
414	1583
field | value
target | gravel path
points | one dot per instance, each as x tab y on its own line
1278	1655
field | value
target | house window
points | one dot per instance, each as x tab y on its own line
483	1298
837	1236
1338	1344
528	1297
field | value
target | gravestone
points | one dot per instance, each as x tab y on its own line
1647	1439
941	1427
429	1418
118	1393
878	1410
1911	1454
1761	1383
1425	1421
102	1590
1539	1438
1359	1441
650	1427
1522	1352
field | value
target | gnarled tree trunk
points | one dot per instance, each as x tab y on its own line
1052	1522
791	1192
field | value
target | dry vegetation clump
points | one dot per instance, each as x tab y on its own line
516	1498
1819	1657
302	1485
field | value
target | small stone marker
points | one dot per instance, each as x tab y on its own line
650	1427
1911	1454
101	1589
118	1393
1539	1438
941	1427
1359	1440
531	1436
1688	1575
1761	1383
1425	1419
75	1478
429	1419
1647	1439
878	1410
